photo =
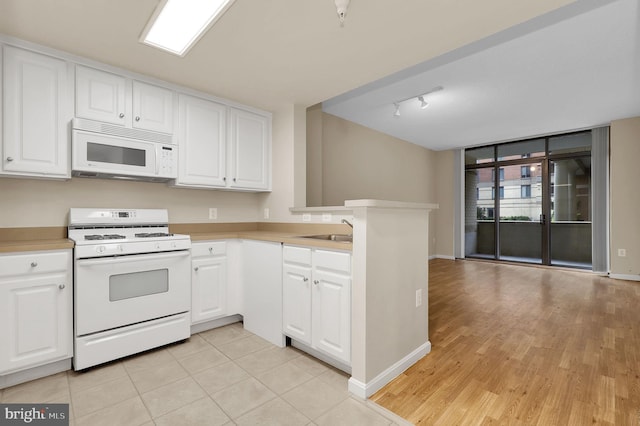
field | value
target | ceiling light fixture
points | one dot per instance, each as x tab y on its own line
397	112
423	103
341	8
176	25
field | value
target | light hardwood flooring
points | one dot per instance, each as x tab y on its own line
524	345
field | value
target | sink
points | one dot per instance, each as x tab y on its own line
343	238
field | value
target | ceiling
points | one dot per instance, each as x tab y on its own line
276	53
574	68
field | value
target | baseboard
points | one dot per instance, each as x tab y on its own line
442	256
625	277
365	390
23	376
220	322
322	357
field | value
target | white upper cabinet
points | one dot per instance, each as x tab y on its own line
152	108
100	96
202	141
222	147
250	150
36	113
115	99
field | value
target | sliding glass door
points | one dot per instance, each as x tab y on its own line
530	201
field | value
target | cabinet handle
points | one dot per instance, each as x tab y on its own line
316	282
9	159
34	264
196	268
211	250
61	286
137	118
121	115
305	279
234	179
224	179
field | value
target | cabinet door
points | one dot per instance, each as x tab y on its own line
331	319
296	302
36	114
36	317
152	108
250	145
202	133
209	288
101	96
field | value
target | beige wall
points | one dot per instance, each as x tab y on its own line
359	162
443	231
625	198
347	161
29	202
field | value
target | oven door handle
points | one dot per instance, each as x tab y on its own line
132	258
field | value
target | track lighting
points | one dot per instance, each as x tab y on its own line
420	98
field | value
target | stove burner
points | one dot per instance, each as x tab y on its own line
152	234
104	237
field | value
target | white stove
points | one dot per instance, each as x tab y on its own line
132	283
111	232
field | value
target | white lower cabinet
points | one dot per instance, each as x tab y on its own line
208	281
35	309
316	294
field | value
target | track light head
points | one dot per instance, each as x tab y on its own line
423	103
397	112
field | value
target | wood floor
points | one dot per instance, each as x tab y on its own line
523	345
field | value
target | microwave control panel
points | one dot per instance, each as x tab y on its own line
167	161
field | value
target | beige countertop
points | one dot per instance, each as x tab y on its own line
54	238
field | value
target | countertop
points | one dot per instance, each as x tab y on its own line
53	238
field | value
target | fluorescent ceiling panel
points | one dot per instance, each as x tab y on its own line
177	25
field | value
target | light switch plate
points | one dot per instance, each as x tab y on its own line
306	217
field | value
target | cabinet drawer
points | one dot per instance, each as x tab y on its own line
297	255
211	248
34	263
332	260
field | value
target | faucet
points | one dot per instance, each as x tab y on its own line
347	222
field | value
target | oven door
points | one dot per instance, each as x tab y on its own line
117	291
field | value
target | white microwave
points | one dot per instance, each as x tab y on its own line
106	151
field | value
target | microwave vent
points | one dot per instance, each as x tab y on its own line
114	130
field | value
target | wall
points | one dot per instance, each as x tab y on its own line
29	202
359	162
624	197
442	232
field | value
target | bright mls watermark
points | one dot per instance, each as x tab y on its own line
34	414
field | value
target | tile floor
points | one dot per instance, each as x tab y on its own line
224	376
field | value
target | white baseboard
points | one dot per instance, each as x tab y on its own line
625	277
442	256
16	378
208	325
365	390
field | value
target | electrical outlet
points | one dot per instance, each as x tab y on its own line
326	217
306	217
418	297
622	253
213	213
265	213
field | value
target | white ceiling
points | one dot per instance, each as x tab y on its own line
274	53
573	68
